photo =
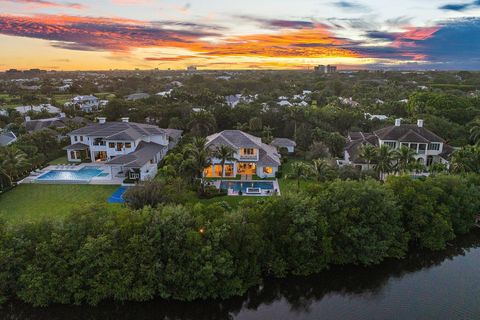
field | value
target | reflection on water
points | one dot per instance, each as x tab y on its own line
439	285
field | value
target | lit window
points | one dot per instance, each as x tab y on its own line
267	170
111	144
128	145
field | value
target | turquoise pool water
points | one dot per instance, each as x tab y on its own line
84	174
242	185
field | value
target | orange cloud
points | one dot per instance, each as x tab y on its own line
45	3
316	42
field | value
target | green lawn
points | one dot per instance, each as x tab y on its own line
37	201
60	160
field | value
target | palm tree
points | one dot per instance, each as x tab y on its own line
466	159
299	171
321	170
384	161
404	156
201	123
368	152
475	132
224	153
12	162
198	157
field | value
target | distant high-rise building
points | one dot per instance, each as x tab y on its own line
325	69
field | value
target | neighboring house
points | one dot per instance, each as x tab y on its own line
138	96
252	156
429	148
59	122
40	108
288	144
164	93
131	150
380	117
7	138
235	99
85	103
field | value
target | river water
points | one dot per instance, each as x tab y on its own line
426	285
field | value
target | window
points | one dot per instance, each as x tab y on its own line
434	146
248	151
391	144
81	138
267	170
111	144
404	144
128	145
75	138
413	146
119	146
72	155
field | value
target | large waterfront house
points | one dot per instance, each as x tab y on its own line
86	103
252	156
131	150
429	148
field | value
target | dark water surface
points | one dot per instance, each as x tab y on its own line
440	285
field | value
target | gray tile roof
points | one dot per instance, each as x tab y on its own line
6	138
57	122
268	155
119	130
283	142
144	152
76	146
397	132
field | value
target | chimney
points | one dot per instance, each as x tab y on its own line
27	119
125	119
102	120
419	123
398	122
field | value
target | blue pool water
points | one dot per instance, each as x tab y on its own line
84	174
117	196
242	185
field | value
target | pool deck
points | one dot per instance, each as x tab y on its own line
103	180
231	192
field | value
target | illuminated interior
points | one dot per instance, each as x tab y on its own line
246	168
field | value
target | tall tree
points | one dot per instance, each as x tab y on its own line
368	153
404	157
475	132
12	162
197	158
384	160
224	153
299	171
321	170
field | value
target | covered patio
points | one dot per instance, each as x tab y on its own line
78	152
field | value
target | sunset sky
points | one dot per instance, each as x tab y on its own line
242	34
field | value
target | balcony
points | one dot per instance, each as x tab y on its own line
249	157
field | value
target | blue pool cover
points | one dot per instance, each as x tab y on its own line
117	196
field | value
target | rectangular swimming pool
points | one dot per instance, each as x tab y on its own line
83	175
243	185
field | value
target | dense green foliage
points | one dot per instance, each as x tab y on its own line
197	251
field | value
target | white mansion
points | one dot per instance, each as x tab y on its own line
429	148
131	149
252	156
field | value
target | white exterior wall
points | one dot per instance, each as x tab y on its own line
261	174
148	171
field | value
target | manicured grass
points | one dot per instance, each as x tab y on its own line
60	160
36	201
